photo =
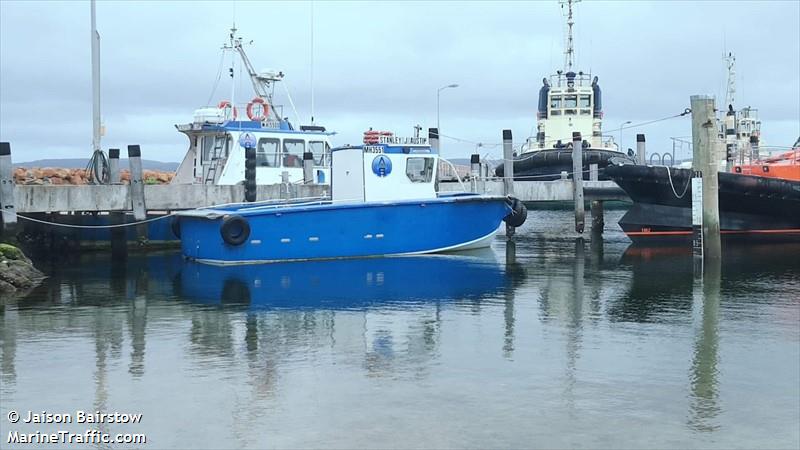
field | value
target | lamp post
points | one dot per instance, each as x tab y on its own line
620	133
438	94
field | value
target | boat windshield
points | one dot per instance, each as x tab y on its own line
267	152
293	150
319	149
419	170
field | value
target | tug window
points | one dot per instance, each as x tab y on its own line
571	101
419	170
555	102
320	151
585	101
267	152
293	150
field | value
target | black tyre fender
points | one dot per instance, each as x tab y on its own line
518	214
234	230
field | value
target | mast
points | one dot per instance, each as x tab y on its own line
569	48
233	70
730	93
95	37
261	83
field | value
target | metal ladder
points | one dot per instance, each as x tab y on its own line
211	174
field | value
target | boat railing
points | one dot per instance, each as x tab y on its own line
581	79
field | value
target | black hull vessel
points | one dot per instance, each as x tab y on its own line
751	207
547	164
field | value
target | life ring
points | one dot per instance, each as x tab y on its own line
225	104
264	107
234	230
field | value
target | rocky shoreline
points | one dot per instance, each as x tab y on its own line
17	273
60	176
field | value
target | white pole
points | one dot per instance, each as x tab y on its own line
95	36
620	134
438	94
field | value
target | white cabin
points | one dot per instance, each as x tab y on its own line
394	169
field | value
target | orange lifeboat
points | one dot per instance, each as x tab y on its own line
785	166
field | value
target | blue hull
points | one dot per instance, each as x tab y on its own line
325	230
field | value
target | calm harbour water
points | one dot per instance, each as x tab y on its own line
560	344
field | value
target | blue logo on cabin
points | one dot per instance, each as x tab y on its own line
247	140
382	165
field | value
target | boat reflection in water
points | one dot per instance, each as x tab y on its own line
346	283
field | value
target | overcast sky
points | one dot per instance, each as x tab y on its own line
379	64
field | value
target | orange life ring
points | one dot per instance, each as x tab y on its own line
265	108
226	104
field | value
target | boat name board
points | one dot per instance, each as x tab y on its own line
397	140
373	149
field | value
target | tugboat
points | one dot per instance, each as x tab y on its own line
213	156
759	196
568	102
760	205
384	202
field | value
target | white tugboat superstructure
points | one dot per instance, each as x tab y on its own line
569	102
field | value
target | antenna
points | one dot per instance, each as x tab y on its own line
730	92
231	71
569	50
312	62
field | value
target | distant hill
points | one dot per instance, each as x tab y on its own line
80	163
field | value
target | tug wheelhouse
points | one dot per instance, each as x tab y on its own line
569	102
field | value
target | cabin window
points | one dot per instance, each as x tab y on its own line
586	101
570	101
293	150
555	112
419	170
267	152
555	102
320	150
586	112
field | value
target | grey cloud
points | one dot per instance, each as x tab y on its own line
379	64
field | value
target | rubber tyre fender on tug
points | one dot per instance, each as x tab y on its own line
518	214
234	230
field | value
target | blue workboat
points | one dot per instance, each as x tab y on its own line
383	202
